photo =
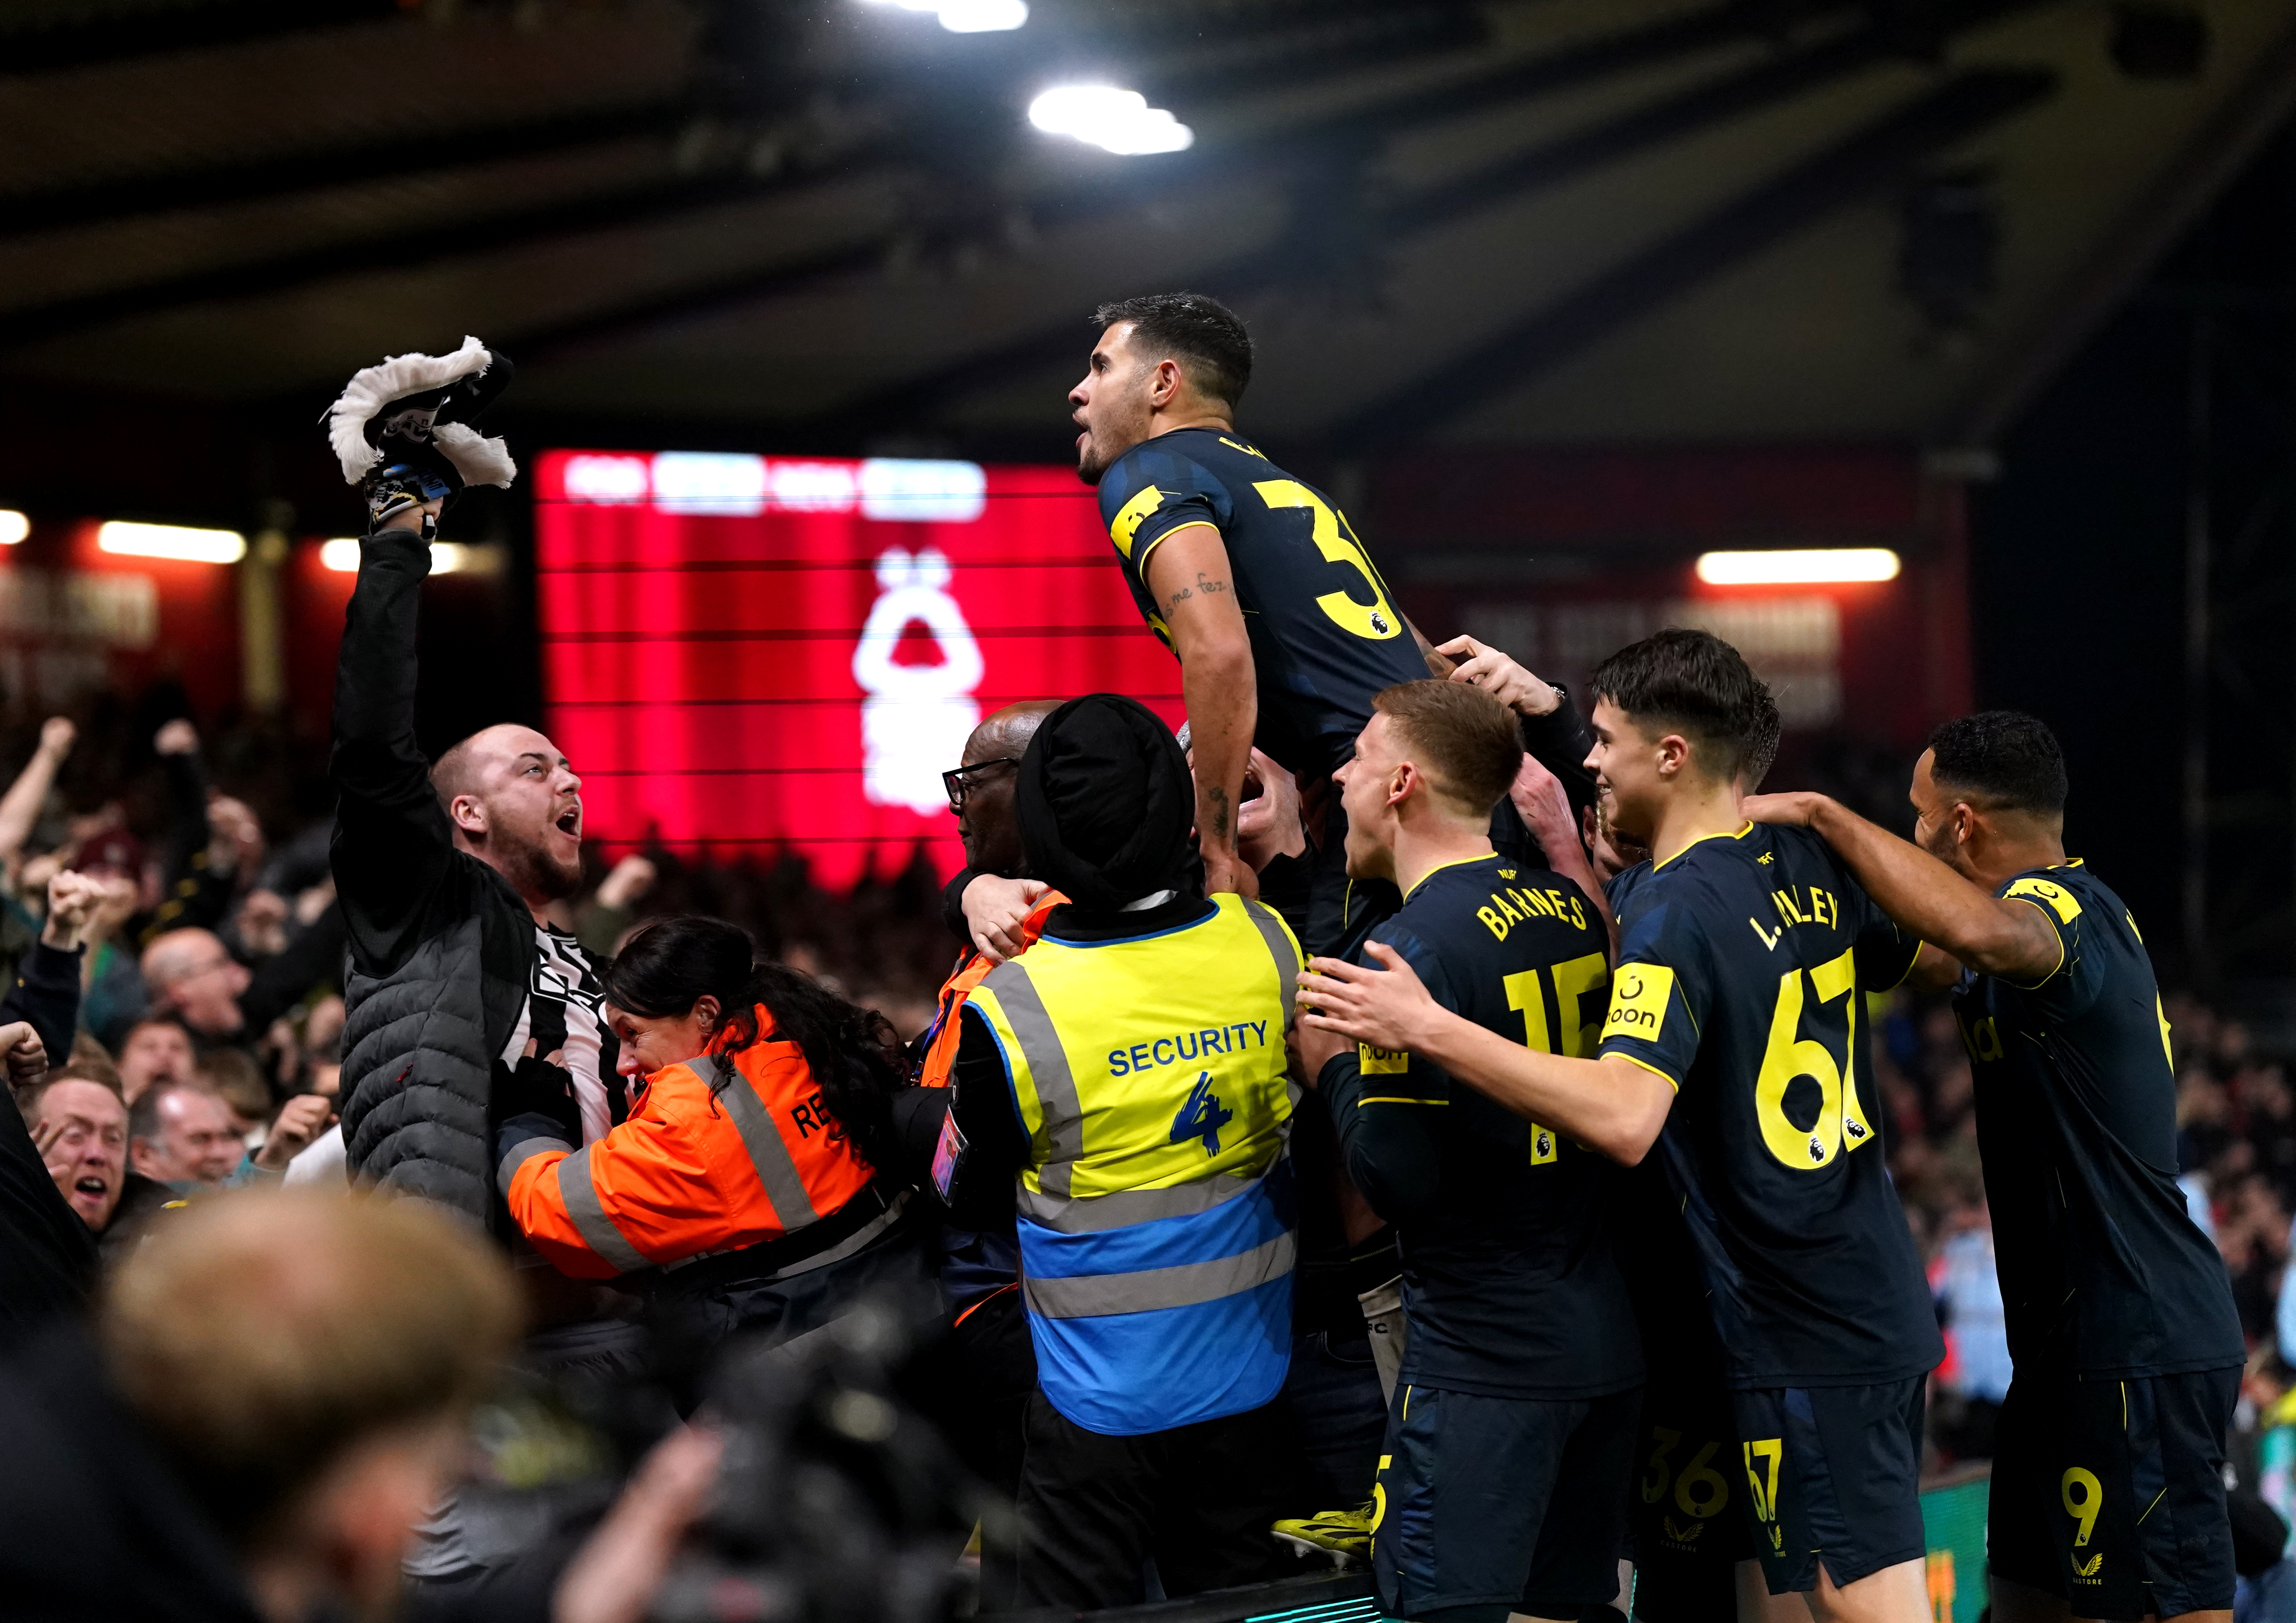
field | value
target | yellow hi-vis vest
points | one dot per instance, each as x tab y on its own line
1156	1208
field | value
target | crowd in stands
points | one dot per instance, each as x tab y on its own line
219	844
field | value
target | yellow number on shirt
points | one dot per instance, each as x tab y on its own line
1373	620
1577	1035
1762	1475
1661	1472
1700	1490
1790	1055
2084	1508
1572	981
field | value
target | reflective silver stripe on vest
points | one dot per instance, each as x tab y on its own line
1048	1068
769	1152
579	1195
1279	948
860	1239
1095	1214
520	1153
1099	1295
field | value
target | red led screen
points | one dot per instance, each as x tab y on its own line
750	653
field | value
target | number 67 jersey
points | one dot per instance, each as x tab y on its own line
1325	635
1744	964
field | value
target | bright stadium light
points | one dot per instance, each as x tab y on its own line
13	527
1798	566
171	541
983	16
970	16
341	555
1119	121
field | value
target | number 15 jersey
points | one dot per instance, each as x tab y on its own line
1743	964
1325	635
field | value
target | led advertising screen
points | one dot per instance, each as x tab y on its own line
744	655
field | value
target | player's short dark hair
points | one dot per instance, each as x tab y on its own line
2004	758
1694	683
1191	328
1761	750
1466	739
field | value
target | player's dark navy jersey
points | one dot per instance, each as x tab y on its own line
1741	962
1654	1250
1510	1282
1325	635
2103	1272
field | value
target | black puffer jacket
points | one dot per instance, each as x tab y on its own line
442	950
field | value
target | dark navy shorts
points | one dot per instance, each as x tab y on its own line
2109	1493
1688	1533
1491	1505
1832	1474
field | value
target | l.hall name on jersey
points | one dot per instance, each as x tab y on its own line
1800	905
1513	906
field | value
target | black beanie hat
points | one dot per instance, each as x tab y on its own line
1107	806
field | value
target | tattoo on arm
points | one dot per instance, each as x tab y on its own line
1217	795
1205	584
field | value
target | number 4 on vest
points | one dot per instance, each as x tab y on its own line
1202	1115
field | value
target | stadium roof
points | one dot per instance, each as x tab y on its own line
830	222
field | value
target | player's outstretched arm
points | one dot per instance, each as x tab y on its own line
1992	935
1194	590
1613	1106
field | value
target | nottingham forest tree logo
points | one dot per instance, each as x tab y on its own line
917	717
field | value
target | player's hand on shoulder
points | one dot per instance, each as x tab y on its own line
1499	675
1389	1007
1795	810
995	909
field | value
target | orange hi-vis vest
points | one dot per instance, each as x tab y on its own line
719	1153
940	1046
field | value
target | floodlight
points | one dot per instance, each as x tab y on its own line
13	527
983	16
1119	121
175	541
1798	566
341	555
970	16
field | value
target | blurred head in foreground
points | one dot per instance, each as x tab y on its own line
306	1362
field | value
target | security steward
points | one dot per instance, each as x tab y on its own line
1123	1086
980	1378
742	1192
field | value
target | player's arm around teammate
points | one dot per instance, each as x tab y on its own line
1612	1104
1670	761
2107	1496
1994	935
